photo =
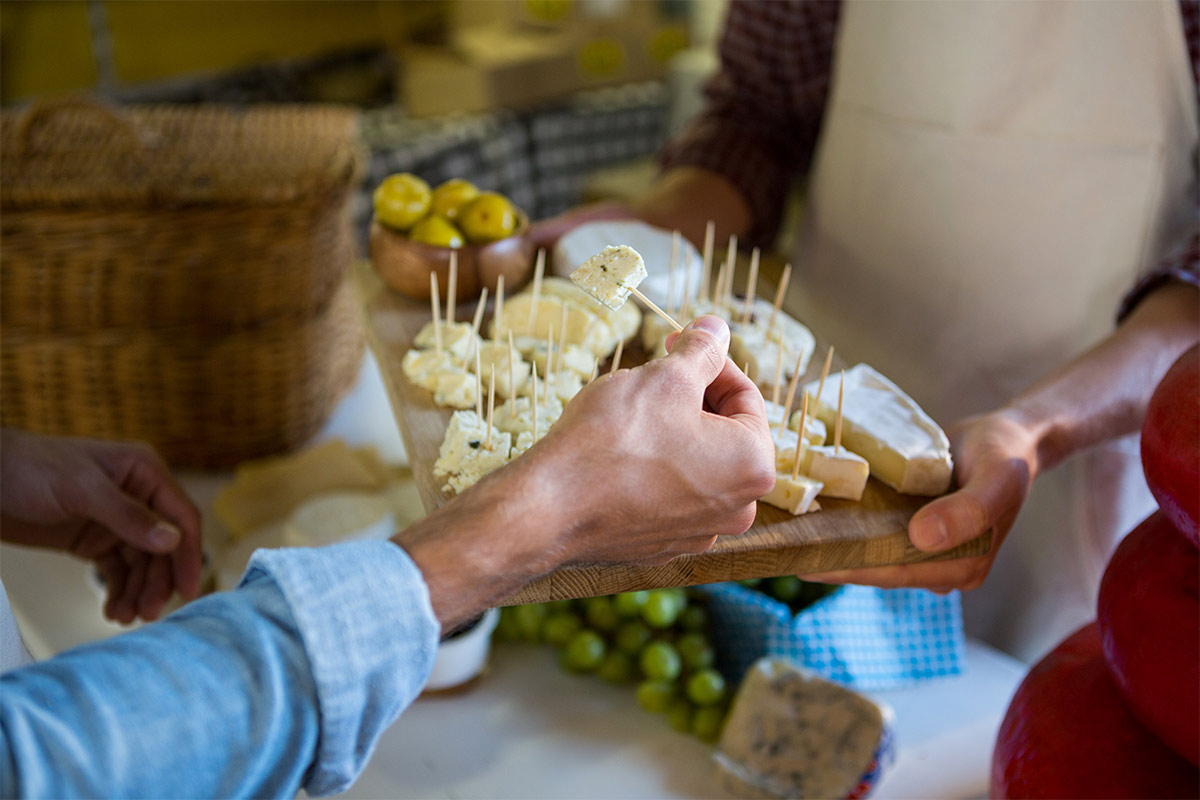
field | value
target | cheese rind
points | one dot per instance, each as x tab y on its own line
904	447
791	733
611	275
842	473
794	496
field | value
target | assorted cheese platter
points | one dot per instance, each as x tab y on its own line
541	346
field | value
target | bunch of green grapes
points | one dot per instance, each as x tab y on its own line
659	640
790	590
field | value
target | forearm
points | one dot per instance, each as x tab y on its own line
1103	393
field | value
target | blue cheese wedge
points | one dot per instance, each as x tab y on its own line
904	447
843	474
796	496
793	734
611	275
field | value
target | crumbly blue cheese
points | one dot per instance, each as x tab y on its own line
422	367
458	338
464	433
793	734
517	417
523	442
497	354
611	275
481	460
455	389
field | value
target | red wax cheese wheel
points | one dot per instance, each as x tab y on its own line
1149	617
1068	733
1171	444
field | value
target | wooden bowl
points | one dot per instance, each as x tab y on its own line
405	265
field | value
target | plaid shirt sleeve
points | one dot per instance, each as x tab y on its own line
759	127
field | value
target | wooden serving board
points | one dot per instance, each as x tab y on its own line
842	535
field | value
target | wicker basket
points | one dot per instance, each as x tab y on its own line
172	274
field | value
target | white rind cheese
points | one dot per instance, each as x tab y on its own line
794	496
905	448
793	734
611	275
843	473
815	432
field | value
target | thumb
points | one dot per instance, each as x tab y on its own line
993	493
132	522
701	346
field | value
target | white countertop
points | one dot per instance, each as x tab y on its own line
527	729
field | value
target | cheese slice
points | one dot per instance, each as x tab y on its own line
905	448
611	275
785	448
655	331
791	733
794	496
458	338
842	473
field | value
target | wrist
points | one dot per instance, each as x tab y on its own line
1047	436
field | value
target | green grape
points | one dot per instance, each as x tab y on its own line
629	604
616	667
584	652
706	687
660	661
600	613
680	595
560	605
785	589
631	637
529	621
696	651
679	715
655	696
559	627
661	609
707	722
694	618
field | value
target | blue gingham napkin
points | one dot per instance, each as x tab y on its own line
859	636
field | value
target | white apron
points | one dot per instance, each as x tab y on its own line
991	178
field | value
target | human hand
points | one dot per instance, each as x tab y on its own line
996	460
112	503
659	460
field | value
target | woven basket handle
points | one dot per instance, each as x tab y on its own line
44	109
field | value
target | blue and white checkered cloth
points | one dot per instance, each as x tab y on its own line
859	636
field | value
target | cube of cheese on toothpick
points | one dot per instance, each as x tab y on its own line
455	389
464	433
458	339
796	496
611	275
516	417
815	432
482	459
423	367
843	473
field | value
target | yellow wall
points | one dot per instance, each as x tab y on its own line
45	45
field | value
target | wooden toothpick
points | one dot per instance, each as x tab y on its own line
477	320
671	273
791	395
512	374
779	293
491	404
616	365
437	313
452	289
778	376
710	231
731	259
650	304
800	441
498	317
538	270
837	421
751	283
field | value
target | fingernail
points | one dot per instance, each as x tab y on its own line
165	535
931	533
714	325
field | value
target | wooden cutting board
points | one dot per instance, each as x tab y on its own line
842	535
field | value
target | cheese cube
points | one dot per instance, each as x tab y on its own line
517	417
479	460
843	473
455	389
465	431
794	496
750	345
573	358
815	431
564	385
458	338
497	353
611	275
791	733
904	447
524	442
422	367
785	448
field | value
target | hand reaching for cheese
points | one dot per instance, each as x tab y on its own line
112	503
995	457
644	465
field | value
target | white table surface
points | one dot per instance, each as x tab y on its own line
527	729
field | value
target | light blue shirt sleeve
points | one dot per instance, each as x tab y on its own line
286	682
